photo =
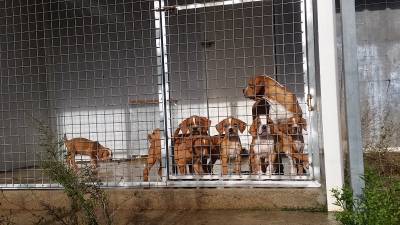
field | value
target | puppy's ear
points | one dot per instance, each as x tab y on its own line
259	85
220	127
101	154
149	137
242	125
97	145
253	127
275	129
157	133
184	126
105	154
303	123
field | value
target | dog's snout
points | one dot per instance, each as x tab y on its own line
230	130
264	127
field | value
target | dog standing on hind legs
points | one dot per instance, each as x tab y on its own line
193	146
154	154
263	145
230	145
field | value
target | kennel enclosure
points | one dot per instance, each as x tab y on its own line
112	71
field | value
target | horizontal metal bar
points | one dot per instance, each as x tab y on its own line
211	4
148	102
239	177
255	183
183	183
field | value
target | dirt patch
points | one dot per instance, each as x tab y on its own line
386	163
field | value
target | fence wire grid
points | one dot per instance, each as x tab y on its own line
121	77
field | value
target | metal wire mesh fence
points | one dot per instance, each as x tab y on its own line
116	81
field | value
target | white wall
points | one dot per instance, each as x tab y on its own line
23	94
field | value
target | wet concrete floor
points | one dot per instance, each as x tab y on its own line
232	217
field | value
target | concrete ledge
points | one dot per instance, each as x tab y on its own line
173	199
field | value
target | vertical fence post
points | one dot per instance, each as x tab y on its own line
329	99
163	82
352	96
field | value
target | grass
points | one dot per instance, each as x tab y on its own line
378	205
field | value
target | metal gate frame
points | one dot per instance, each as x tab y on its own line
313	180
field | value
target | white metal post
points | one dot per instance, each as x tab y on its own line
353	114
329	99
163	82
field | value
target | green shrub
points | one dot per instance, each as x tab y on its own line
379	204
88	203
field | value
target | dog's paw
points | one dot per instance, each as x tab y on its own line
293	171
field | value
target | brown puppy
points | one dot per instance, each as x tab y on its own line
298	160
183	153
215	152
195	125
87	147
230	144
283	103
154	154
294	127
193	145
192	150
202	150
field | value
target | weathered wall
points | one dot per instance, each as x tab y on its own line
178	199
378	36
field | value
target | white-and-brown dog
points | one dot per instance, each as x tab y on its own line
83	146
154	154
283	103
268	141
230	146
264	144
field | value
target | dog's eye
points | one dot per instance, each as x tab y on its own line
226	125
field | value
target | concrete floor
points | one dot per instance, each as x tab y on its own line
232	217
207	217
